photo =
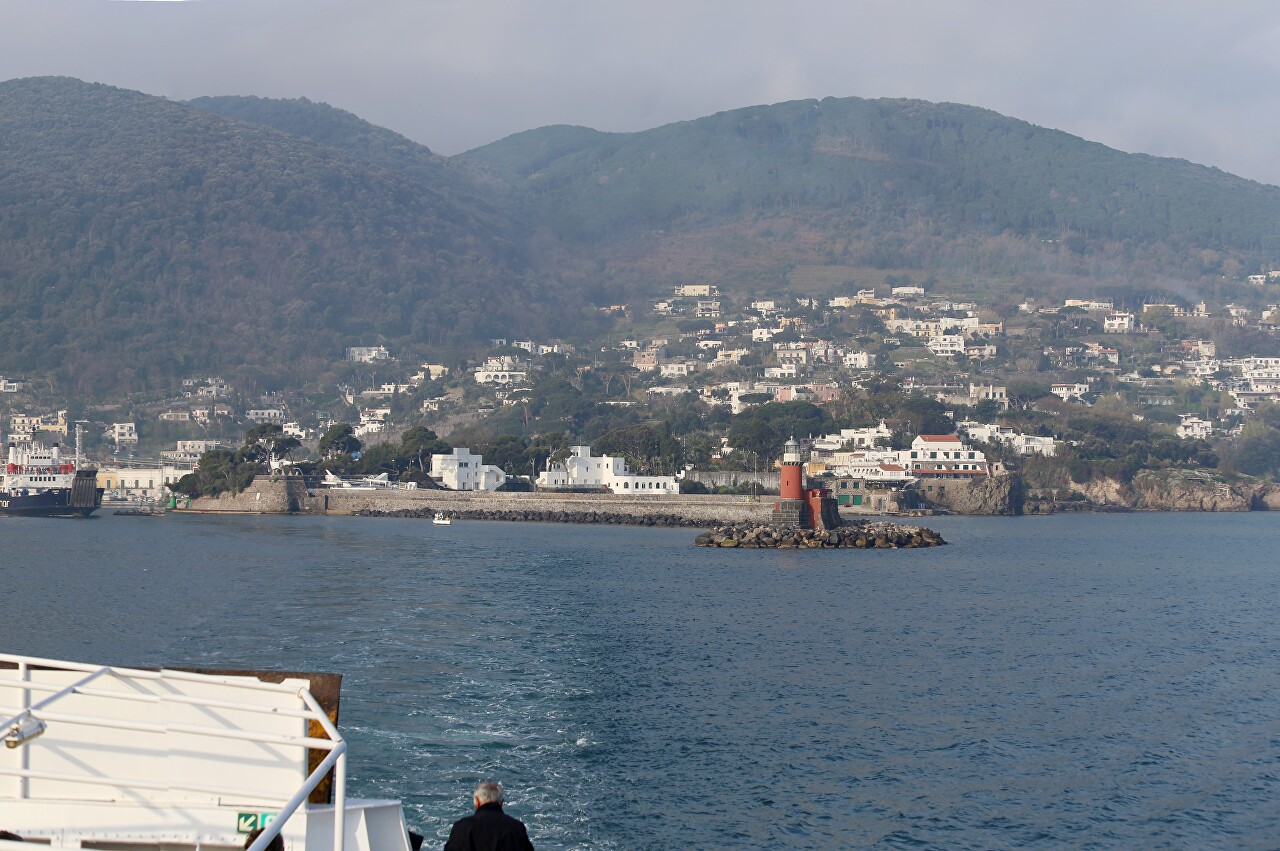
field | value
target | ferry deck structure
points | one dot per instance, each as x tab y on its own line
139	760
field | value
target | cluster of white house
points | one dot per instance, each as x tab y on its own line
461	470
931	457
864	453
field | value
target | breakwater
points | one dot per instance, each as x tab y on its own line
863	536
280	496
526	515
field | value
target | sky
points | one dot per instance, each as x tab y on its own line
1180	78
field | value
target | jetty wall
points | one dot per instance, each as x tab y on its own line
770	481
709	509
262	496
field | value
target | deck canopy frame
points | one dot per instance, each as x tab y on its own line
34	719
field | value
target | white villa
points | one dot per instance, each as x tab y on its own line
943	455
1023	444
1121	322
1194	428
583	470
855	438
462	471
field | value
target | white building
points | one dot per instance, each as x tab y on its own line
462	471
1194	428
188	452
878	466
676	369
1023	444
797	356
728	356
140	482
763	335
707	309
1068	392
583	470
695	291
501	370
124	433
869	437
1089	304
946	345
943	456
1121	322
786	370
368	354
907	292
857	360
265	415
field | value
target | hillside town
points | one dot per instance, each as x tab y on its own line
998	390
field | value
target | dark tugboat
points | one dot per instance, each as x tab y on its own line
38	482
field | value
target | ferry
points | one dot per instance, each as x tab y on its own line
37	481
131	759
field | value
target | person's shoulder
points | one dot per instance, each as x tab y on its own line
463	825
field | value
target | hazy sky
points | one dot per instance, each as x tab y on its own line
1185	78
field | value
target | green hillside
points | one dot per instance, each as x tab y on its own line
880	183
142	240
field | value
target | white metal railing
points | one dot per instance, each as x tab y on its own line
29	723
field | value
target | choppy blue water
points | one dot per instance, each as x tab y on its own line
1063	682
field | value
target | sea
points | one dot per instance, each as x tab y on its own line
1073	681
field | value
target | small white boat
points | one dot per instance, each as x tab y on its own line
441	519
168	760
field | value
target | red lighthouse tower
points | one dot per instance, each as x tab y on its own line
790	509
810	508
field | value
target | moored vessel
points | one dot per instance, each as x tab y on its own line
37	481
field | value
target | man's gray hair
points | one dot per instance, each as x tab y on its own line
489	792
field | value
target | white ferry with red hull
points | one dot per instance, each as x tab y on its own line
37	482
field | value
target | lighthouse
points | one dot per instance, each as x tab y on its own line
797	505
791	509
792	486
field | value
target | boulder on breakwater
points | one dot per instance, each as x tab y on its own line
541	516
867	536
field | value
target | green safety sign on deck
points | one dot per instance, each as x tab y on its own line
249	822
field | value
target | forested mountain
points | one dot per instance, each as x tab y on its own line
883	184
142	240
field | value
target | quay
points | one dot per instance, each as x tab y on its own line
289	495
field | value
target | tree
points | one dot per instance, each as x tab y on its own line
419	443
508	452
553	446
648	450
762	431
339	439
267	442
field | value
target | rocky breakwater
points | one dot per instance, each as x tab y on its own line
880	535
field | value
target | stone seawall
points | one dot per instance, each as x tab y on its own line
262	496
559	507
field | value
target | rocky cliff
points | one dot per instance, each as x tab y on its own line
998	495
1196	490
1183	490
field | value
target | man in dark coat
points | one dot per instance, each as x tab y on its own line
490	829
